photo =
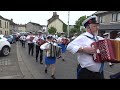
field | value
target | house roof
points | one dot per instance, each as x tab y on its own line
35	23
43	25
21	25
53	18
110	27
100	12
4	18
103	12
11	22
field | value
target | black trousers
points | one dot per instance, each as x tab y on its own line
115	76
23	43
83	73
37	53
31	48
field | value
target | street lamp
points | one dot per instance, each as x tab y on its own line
68	22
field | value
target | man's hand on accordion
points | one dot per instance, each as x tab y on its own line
89	50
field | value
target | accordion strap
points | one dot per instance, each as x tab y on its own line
93	38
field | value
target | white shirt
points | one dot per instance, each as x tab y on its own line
85	60
38	37
45	45
59	40
23	38
28	37
55	36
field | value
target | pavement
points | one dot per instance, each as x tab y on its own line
9	67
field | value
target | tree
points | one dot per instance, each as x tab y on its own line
52	30
72	31
64	27
79	23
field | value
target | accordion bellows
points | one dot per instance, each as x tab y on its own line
41	41
31	38
107	50
65	41
55	51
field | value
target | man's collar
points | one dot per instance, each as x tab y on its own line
88	34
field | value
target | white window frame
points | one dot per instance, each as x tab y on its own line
118	17
114	17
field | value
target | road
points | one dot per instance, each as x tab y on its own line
64	70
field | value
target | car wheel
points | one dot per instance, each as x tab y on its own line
5	51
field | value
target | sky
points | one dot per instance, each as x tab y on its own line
41	17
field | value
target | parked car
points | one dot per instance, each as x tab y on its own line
5	46
10	39
13	39
16	37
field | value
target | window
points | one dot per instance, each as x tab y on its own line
5	33
101	19
114	17
118	17
0	32
5	24
0	23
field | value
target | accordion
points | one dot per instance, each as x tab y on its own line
54	51
107	50
31	38
40	41
65	41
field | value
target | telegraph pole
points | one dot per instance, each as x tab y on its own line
68	22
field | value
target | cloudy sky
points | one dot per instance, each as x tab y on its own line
41	17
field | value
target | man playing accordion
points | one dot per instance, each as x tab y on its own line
39	40
29	39
87	67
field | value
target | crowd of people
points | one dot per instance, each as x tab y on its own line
81	45
41	43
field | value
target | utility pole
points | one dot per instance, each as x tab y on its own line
68	22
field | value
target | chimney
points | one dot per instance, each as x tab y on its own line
11	19
54	13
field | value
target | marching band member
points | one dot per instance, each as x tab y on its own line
87	67
55	36
23	40
49	61
39	36
29	39
62	45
